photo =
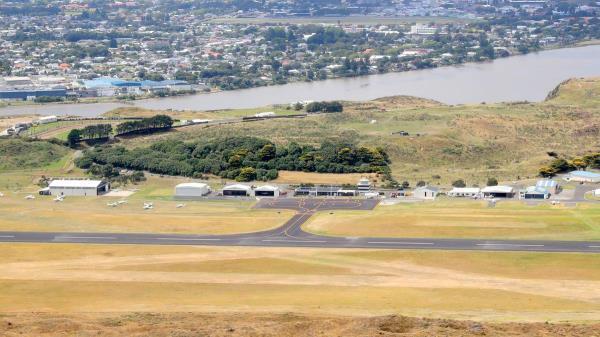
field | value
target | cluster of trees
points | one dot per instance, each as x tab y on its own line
461	183
334	106
240	158
145	125
562	165
90	132
109	172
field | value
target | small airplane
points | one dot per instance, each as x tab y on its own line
59	198
148	205
112	204
29	197
180	206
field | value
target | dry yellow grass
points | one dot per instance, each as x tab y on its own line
71	278
293	177
464	219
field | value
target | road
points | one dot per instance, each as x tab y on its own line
291	234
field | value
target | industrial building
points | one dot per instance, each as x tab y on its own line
237	190
534	192
82	188
364	185
191	190
324	191
30	94
266	191
499	191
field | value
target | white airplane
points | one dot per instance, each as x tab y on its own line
112	204
29	197
59	198
148	205
180	205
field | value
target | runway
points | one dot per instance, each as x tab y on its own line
291	234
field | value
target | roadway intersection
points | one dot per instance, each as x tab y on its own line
291	234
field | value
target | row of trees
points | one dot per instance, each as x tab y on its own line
240	158
90	132
334	106
562	165
145	125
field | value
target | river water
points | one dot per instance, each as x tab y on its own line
518	78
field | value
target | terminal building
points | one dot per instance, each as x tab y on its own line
83	188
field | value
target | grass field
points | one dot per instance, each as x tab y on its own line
70	278
294	177
464	219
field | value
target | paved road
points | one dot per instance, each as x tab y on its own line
292	235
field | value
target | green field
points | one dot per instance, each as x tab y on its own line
464	219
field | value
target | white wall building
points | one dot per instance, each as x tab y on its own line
426	192
583	176
47	119
499	191
237	190
84	188
191	190
364	185
467	192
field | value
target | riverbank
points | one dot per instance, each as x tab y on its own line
518	78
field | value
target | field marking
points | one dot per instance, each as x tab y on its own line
508	244
301	241
400	243
188	239
85	237
593	246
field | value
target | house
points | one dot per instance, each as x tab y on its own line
78	187
583	176
468	192
191	190
266	191
237	190
534	192
426	192
499	191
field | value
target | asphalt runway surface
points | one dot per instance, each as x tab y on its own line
291	234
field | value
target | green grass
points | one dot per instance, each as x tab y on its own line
464	219
17	154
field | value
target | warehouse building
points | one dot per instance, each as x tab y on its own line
499	191
267	191
191	190
534	192
583	177
464	192
237	190
81	188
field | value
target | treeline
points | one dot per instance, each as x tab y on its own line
145	125
90	132
334	106
563	165
240	158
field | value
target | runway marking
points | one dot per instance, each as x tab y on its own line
7	236
188	239
85	237
300	241
594	246
507	244
400	243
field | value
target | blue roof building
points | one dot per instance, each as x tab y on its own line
583	176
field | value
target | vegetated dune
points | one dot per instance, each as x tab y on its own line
280	325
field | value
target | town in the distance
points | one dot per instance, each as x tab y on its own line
299	168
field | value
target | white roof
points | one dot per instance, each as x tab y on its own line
191	185
498	189
237	187
267	188
48	117
465	190
75	183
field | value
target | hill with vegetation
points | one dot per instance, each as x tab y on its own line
21	154
437	143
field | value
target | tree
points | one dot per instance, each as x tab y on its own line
74	137
492	182
421	183
405	184
547	172
246	174
459	183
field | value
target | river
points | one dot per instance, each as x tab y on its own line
524	77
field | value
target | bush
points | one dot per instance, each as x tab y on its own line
459	183
492	182
324	107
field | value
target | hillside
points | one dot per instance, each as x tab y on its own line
472	142
19	154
